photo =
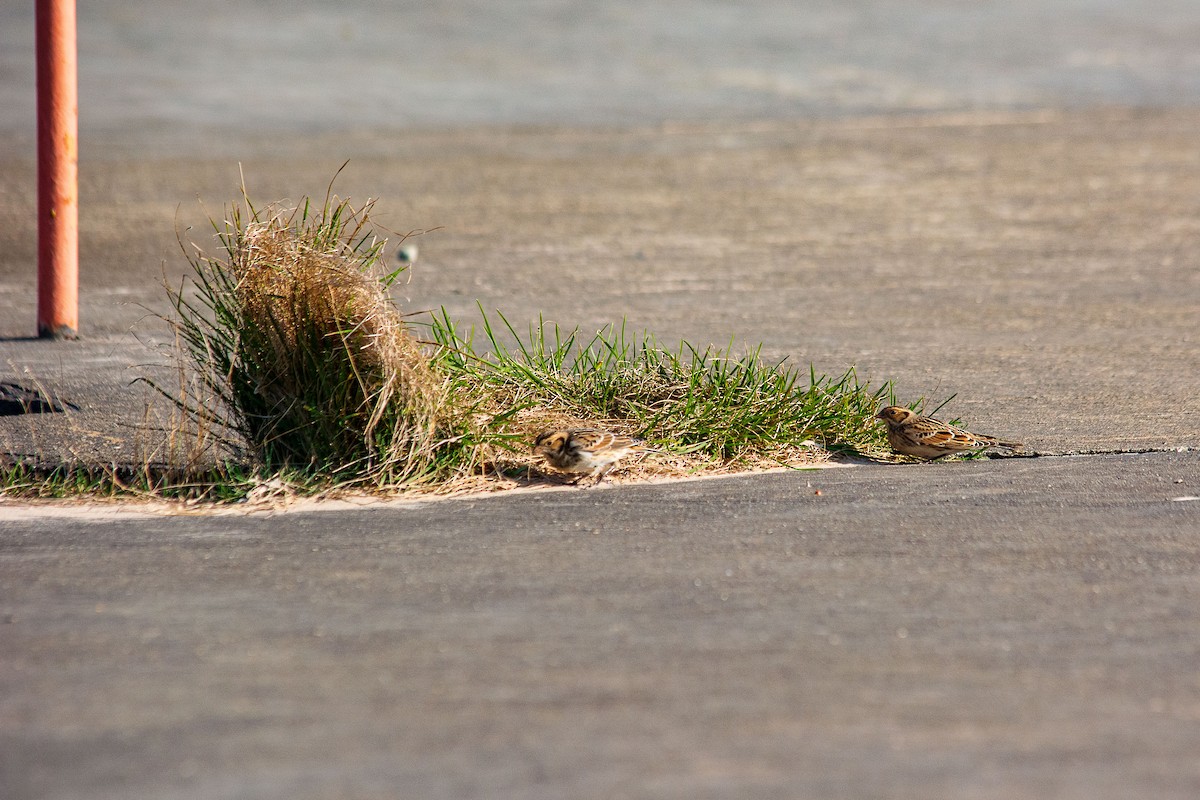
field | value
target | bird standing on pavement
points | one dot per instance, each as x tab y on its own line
585	450
911	434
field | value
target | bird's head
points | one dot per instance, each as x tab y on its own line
895	415
551	442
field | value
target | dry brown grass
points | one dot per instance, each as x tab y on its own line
311	367
299	296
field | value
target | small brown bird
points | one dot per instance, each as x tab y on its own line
585	450
911	434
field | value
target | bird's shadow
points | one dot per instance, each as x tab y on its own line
527	475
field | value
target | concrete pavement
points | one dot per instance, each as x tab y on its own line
1000	629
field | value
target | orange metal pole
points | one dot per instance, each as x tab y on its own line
58	170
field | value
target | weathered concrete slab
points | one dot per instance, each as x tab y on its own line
1002	629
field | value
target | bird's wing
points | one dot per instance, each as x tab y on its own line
948	437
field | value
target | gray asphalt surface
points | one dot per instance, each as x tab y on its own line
1015	628
176	77
996	202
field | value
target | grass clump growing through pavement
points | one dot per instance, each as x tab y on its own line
298	375
708	405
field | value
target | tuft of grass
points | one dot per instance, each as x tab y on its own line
710	404
302	360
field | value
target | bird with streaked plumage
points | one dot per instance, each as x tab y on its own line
911	434
588	451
